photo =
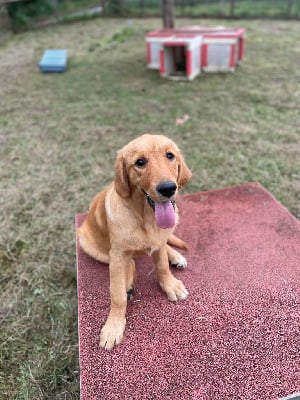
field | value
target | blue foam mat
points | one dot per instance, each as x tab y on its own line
54	60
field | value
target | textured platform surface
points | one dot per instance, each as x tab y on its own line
53	60
237	334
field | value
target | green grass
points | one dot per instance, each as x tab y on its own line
59	134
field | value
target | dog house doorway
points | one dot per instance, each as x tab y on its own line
180	59
176	61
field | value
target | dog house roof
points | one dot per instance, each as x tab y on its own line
194	30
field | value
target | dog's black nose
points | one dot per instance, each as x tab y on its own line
166	189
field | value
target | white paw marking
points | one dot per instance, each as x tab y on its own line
181	263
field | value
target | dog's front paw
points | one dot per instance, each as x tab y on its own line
174	289
112	333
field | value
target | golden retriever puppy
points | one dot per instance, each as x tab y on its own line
135	215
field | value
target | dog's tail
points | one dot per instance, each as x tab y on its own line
175	241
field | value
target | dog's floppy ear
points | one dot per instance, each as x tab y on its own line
121	178
184	173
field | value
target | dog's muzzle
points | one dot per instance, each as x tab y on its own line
152	202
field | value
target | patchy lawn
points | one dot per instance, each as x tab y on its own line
58	138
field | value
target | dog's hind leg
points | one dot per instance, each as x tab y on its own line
175	241
175	258
92	250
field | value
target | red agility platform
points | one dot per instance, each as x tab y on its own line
237	334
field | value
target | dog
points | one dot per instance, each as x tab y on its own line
136	215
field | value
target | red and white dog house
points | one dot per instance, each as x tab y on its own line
182	53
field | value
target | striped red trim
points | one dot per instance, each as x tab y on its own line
162	68
174	43
148	53
241	48
203	60
189	60
232	56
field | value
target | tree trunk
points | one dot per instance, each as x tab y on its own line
142	8
167	8
103	5
289	9
5	21
55	9
232	4
222	8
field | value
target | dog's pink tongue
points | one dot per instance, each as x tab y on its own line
165	214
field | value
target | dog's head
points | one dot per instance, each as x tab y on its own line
154	166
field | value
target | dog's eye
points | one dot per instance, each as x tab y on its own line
141	162
170	155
